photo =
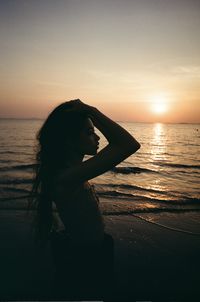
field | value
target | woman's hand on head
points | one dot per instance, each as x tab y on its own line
78	105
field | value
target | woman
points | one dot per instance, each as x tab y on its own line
83	252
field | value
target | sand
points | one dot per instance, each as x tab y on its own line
152	263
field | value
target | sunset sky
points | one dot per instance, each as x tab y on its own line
136	60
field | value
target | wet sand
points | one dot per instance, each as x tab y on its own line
152	263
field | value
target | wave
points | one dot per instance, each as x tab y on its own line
5	161
5	199
23	146
177	165
174	198
15	181
24	207
15	152
135	198
122	170
114	193
131	187
7	152
148	210
129	170
16	190
137	188
18	167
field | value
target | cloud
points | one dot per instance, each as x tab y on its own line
188	71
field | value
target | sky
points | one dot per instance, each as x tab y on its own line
135	60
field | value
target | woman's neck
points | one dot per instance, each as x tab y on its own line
75	159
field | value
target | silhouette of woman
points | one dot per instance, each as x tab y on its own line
83	252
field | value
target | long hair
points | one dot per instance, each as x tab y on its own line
56	145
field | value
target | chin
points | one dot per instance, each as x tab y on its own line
93	152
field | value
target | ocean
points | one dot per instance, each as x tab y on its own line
162	176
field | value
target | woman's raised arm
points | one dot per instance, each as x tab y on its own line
116	135
121	144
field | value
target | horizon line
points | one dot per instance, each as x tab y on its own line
38	118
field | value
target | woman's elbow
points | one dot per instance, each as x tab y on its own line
138	145
134	147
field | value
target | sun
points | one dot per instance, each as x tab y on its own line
159	104
159	108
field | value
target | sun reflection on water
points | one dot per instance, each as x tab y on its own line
158	153
158	143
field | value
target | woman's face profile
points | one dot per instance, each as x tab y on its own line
88	139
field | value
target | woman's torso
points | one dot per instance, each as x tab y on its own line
78	208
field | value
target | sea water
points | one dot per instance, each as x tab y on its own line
163	175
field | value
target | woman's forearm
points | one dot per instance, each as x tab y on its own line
113	132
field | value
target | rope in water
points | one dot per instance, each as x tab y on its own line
167	227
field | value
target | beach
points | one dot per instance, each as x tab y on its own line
152	262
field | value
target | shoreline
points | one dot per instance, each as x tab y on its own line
151	262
